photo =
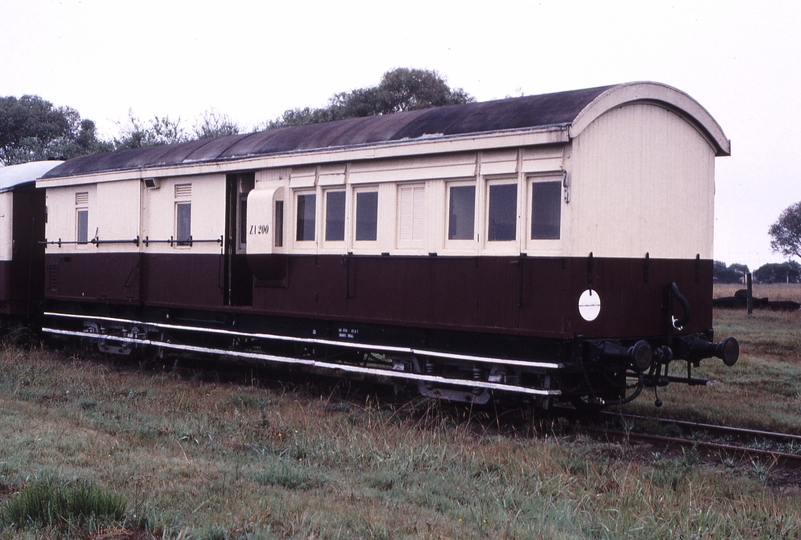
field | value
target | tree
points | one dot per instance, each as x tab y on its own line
401	89
215	124
785	234
728	274
786	272
31	128
160	130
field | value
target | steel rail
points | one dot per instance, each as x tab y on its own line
314	363
779	458
317	341
717	428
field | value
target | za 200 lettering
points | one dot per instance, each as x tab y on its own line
259	229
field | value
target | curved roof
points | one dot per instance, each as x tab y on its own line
15	175
573	109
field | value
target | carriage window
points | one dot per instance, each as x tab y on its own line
411	213
183	215
461	212
279	223
183	223
306	216
502	216
82	217
546	210
83	226
366	215
334	216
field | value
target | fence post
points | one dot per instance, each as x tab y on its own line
749	298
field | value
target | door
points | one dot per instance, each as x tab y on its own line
238	288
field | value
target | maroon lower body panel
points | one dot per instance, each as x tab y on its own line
20	286
184	280
515	295
518	295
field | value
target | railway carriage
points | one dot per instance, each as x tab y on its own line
557	246
22	223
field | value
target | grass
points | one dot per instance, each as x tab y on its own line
181	457
763	390
773	291
52	504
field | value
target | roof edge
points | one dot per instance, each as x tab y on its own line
655	92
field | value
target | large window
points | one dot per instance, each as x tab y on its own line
306	216
366	215
502	214
334	216
546	210
461	212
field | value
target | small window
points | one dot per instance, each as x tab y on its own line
411	214
279	223
183	223
461	212
502	216
366	215
546	210
334	216
306	217
83	226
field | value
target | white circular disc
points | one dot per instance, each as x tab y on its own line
589	305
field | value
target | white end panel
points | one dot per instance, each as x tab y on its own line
261	219
641	181
6	221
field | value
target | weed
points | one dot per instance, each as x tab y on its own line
53	504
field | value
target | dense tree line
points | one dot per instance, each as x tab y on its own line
786	272
734	273
32	128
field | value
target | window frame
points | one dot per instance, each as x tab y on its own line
551	246
179	240
460	242
304	242
82	211
335	242
82	239
355	216
506	243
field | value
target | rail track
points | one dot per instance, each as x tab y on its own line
774	448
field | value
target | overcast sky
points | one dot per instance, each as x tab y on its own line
253	60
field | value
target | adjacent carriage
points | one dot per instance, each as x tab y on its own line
22	224
557	246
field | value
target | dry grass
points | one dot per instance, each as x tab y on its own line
773	291
200	460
